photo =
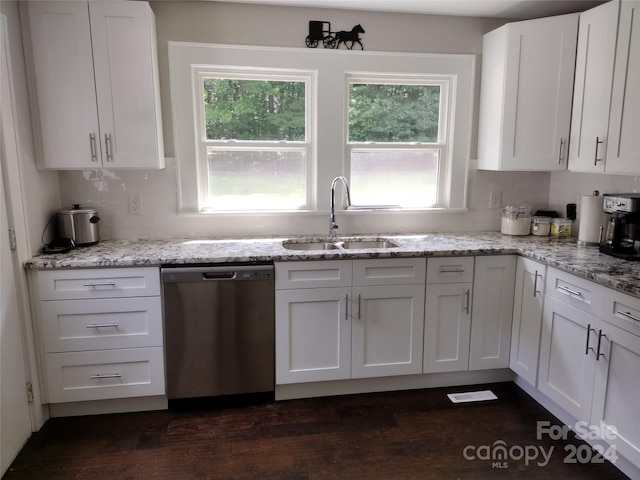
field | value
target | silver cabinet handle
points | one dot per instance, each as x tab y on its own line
105	284
92	144
466	301
103	325
535	284
598	353
587	347
107	147
452	269
560	153
359	306
346	307
569	291
595	156
105	375
628	315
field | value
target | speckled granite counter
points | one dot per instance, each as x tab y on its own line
565	255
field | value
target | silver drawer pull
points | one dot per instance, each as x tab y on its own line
103	325
569	291
452	269
105	375
104	284
628	315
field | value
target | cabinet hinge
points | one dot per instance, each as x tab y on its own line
29	392
12	239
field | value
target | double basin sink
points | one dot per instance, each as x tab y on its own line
339	244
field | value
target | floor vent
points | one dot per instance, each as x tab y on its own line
472	396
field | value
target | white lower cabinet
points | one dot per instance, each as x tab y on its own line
527	319
567	356
447	327
468	313
348	319
101	333
615	391
492	310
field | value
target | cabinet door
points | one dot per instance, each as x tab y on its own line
525	102
623	148
492	311
447	327
313	335
387	330
65	84
616	392
568	356
124	47
527	319
592	91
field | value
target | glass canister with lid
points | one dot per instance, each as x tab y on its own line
541	226
561	227
515	220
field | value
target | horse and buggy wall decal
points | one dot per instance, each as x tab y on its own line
320	32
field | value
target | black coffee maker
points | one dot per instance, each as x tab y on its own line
622	238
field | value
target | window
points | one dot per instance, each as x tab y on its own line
416	156
397	140
255	140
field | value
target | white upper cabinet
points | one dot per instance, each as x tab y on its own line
623	147
95	83
525	98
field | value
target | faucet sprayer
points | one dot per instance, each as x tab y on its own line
332	217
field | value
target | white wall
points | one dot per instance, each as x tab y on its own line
214	22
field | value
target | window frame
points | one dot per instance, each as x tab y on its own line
444	130
200	73
329	67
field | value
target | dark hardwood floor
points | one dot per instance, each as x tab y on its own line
400	435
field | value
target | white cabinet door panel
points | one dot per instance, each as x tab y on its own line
527	319
447	327
492	311
65	83
567	357
623	149
313	335
616	393
387	330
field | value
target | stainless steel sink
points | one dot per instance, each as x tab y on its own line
339	244
294	245
378	243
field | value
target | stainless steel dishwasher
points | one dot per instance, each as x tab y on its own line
219	330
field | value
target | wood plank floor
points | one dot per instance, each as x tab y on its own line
400	435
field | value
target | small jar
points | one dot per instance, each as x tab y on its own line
541	226
515	220
561	227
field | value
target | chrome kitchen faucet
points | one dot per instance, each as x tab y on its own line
333	226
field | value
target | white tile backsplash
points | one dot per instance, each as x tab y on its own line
108	191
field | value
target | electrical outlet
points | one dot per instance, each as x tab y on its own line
134	205
495	198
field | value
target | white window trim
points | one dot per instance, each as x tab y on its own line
207	71
330	66
446	125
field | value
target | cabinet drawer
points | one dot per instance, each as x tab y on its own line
98	283
622	311
389	271
105	374
74	325
575	291
331	273
450	270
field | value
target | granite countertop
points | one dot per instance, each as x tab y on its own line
584	261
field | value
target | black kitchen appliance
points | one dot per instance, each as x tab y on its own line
622	238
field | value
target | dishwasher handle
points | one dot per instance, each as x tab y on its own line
228	275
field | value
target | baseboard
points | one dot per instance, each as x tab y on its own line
99	407
388	384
